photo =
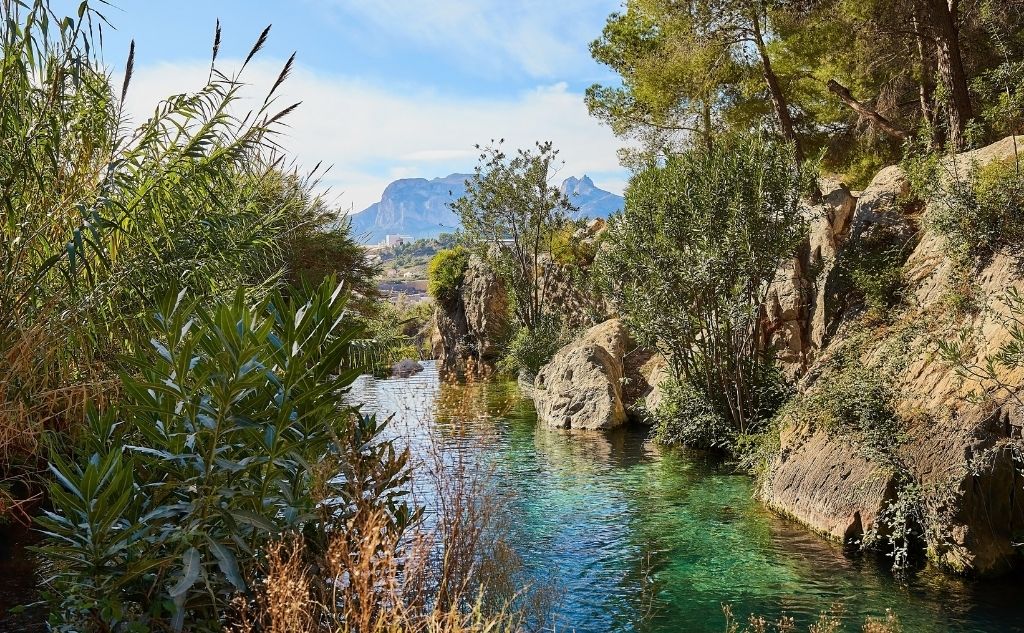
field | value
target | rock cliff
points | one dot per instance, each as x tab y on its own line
955	461
472	321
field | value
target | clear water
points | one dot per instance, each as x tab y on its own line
654	541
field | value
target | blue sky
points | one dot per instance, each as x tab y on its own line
391	88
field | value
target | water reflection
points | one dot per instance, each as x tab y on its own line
654	541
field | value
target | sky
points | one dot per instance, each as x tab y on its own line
389	88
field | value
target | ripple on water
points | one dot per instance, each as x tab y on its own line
653	541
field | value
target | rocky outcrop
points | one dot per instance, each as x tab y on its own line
471	322
598	381
958	458
849	492
581	388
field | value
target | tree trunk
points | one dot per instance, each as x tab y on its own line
951	67
775	89
926	83
865	111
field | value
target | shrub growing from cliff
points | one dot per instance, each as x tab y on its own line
691	259
511	213
979	210
445	272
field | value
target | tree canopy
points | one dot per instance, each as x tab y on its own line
854	79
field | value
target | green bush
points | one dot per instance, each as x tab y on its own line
445	272
691	259
857	402
978	210
686	416
873	267
532	350
233	435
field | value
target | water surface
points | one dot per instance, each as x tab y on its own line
654	541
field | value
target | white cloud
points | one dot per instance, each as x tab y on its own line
538	37
373	134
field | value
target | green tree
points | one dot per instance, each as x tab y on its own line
691	259
686	66
510	214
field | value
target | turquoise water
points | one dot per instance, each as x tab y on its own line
654	541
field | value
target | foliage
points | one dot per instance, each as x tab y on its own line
98	219
395	331
317	241
856	402
452	573
992	376
509	214
232	434
690	71
445	272
691	259
977	210
530	350
872	266
568	250
685	416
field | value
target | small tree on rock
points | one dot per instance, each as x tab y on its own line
510	213
691	259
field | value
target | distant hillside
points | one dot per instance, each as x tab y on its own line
418	207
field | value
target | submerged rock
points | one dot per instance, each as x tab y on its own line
405	368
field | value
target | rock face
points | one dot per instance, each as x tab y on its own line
963	456
598	381
471	320
581	388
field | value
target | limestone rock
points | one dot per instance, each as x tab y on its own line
470	322
823	482
962	454
581	388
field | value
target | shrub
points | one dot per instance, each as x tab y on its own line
978	210
445	272
873	267
232	435
691	259
99	216
685	416
530	350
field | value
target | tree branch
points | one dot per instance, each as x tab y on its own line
866	112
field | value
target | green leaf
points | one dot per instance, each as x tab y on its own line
191	562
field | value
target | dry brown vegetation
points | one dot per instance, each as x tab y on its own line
828	622
454	573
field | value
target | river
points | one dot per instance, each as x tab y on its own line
637	538
634	538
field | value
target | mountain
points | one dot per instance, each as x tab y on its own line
417	207
591	201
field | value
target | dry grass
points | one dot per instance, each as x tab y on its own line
39	391
828	622
454	573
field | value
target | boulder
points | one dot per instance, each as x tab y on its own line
405	368
581	388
